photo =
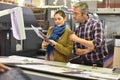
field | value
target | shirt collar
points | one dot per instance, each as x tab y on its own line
82	24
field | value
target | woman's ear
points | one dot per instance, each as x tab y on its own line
65	19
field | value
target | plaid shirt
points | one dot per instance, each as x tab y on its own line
93	30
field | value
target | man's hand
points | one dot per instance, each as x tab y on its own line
3	68
87	43
82	51
73	37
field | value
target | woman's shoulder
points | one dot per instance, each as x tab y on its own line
68	30
51	27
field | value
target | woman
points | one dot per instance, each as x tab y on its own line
60	47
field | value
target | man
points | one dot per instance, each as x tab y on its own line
90	40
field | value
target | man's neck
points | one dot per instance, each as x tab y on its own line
85	19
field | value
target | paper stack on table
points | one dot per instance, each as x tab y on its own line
20	60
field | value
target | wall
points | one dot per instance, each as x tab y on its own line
112	24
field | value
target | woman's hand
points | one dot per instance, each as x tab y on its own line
44	44
52	42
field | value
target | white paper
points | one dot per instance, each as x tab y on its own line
48	68
8	60
17	21
117	42
20	59
5	12
101	75
52	13
39	33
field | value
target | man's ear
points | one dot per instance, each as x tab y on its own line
84	14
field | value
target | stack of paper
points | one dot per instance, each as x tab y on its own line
19	60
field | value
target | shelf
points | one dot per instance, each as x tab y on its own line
108	10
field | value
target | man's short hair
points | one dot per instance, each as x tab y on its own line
82	5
